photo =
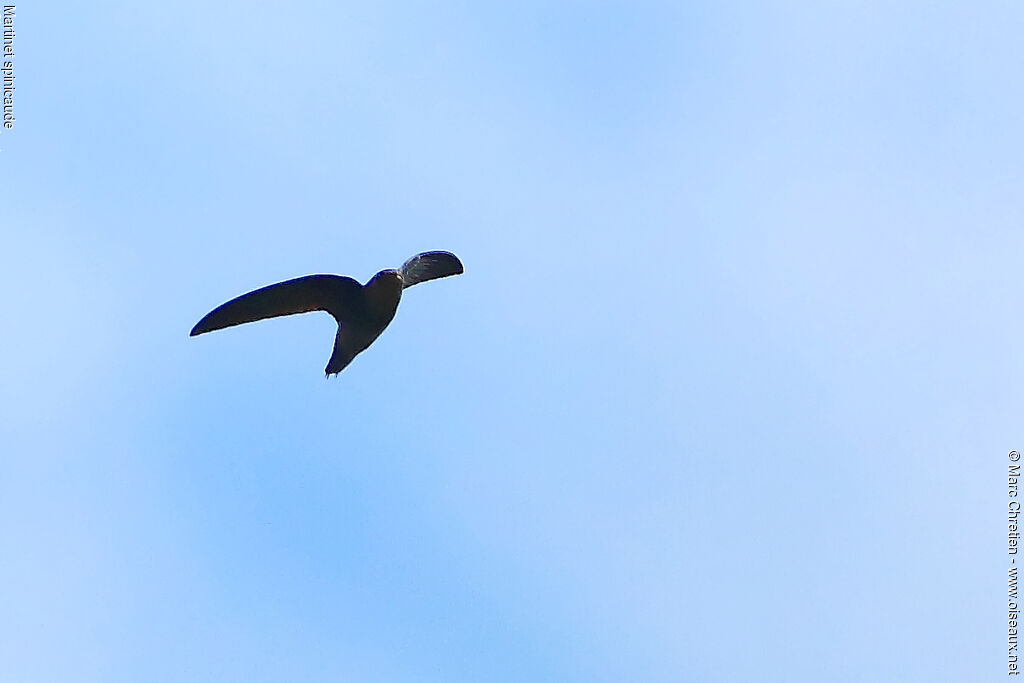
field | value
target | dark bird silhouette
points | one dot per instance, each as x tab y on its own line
362	311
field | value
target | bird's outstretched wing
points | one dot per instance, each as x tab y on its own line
430	265
339	296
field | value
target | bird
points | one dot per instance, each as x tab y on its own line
361	311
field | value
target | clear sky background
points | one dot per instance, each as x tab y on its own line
725	393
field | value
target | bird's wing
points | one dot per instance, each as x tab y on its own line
337	295
430	265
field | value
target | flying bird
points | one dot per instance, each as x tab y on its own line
362	311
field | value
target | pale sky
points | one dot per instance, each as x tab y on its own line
725	393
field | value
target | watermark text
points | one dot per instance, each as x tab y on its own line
7	69
1013	516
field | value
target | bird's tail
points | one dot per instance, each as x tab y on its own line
343	353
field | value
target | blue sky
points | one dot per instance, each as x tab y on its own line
724	394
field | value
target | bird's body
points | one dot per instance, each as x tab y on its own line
362	311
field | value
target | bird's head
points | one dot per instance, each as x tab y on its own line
386	279
383	292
